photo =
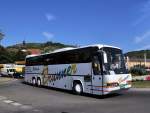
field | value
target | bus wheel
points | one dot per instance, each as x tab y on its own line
39	82
33	81
78	89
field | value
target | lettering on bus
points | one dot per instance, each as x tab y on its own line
36	69
70	70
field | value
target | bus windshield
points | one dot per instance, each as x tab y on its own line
115	61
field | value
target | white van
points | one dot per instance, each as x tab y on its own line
7	70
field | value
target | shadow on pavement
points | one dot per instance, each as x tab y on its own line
71	92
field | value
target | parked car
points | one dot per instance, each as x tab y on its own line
18	75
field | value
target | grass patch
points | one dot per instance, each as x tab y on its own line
141	84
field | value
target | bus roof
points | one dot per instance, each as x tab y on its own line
71	48
99	46
63	49
32	56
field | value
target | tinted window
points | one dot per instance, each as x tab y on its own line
73	56
38	60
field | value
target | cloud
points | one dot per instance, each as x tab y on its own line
50	17
144	10
145	47
140	39
48	35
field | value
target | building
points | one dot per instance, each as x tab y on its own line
34	51
137	61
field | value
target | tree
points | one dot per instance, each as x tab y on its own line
20	55
138	70
4	56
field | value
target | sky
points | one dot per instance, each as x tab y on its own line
122	23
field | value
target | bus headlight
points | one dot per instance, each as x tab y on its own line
113	84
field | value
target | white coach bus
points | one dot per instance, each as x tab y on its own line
96	69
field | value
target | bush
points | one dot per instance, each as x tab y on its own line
138	70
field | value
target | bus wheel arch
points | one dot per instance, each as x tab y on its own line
77	87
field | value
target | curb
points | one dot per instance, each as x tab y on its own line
140	89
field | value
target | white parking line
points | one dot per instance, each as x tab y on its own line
16	104
8	101
36	110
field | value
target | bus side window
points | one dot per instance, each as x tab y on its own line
96	66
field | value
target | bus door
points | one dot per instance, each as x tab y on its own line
88	83
96	76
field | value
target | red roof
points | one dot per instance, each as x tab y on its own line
34	51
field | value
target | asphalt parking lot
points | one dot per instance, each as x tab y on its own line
16	97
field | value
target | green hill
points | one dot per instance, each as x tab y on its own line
13	53
44	47
138	54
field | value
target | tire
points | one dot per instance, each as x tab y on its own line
34	81
77	88
39	82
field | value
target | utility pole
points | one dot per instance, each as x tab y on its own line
145	58
1	36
